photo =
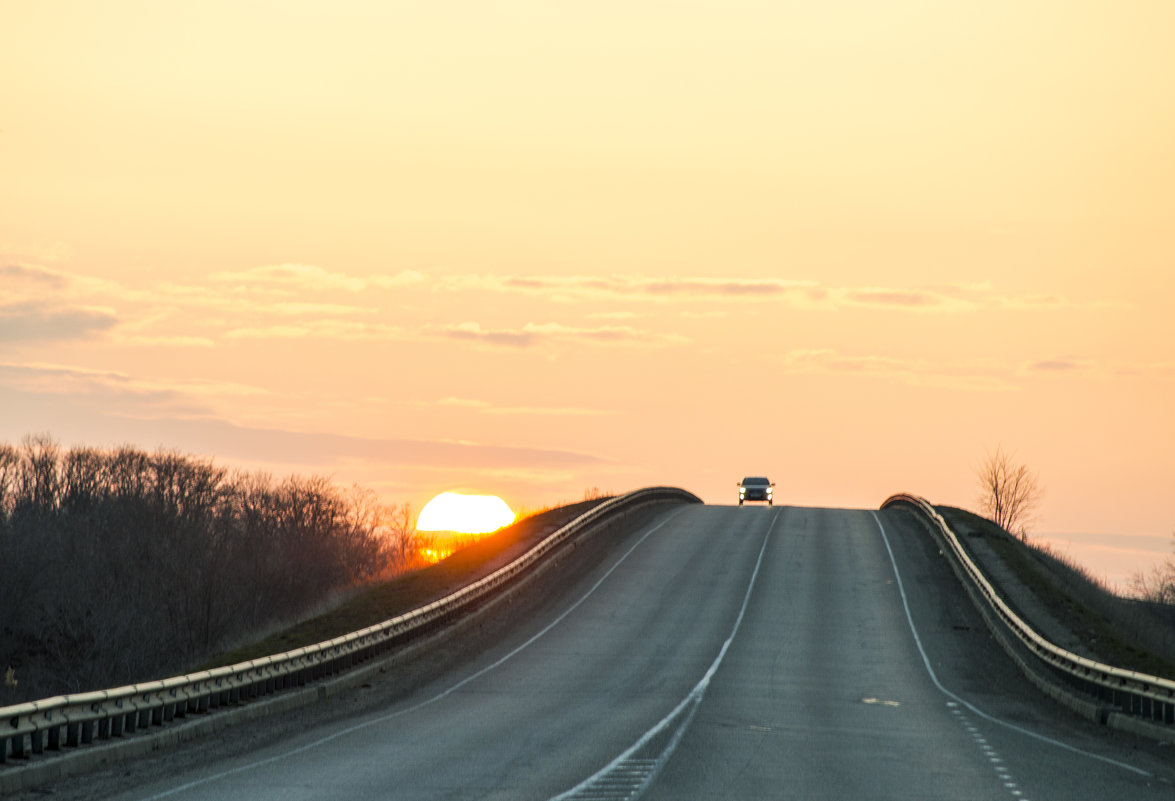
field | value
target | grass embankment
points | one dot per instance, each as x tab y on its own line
410	591
1121	631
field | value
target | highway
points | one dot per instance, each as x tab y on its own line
712	652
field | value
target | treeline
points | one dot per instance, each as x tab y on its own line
118	566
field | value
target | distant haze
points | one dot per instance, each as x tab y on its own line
1112	558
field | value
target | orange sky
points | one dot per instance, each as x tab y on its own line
527	248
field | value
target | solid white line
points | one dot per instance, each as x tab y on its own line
384	718
691	701
969	705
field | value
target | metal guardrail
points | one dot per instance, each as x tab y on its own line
1139	694
69	721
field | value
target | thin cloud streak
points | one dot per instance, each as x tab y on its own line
121	393
909	371
31	274
26	322
288	278
799	294
179	416
485	407
255	444
338	330
534	334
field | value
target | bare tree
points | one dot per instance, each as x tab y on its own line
118	565
403	543
1157	586
1008	492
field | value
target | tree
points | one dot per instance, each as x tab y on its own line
1008	492
1157	586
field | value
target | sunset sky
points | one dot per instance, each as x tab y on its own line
528	248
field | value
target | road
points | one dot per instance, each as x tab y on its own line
716	652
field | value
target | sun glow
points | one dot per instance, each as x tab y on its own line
464	514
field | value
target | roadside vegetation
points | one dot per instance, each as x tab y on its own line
119	565
1156	585
1131	633
403	593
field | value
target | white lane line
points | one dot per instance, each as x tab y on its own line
1002	772
384	718
969	705
589	787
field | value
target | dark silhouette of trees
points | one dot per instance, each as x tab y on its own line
1008	493
121	565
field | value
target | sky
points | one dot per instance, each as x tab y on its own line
527	248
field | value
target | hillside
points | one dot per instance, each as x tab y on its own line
1067	605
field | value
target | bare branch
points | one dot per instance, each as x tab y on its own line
1008	493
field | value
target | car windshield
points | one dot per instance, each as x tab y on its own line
760	482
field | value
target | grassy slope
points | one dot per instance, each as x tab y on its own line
405	593
1118	630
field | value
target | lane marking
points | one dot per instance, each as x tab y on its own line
1003	773
979	712
391	716
589	788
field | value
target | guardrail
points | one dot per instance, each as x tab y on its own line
1140	695
69	721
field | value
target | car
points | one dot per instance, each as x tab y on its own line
755	488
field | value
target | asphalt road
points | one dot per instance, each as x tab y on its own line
715	652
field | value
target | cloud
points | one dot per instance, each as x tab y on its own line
727	287
176	414
168	342
227	440
910	371
893	298
26	322
797	294
338	330
485	407
473	332
125	391
638	287
1055	366
27	273
532	334
547	411
286	278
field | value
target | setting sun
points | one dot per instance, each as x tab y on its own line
467	514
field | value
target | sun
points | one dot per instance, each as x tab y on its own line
465	514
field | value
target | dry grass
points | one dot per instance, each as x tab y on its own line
1123	632
410	591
